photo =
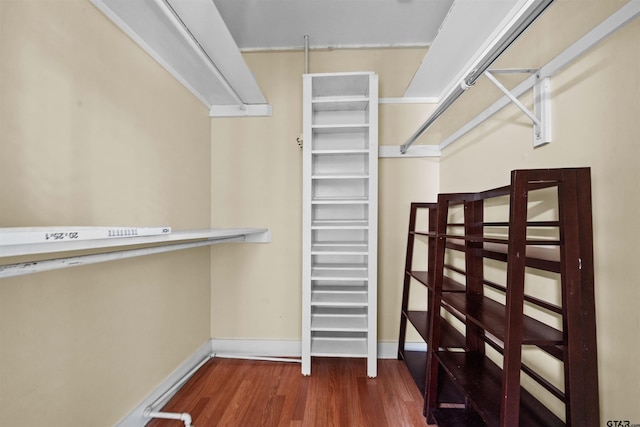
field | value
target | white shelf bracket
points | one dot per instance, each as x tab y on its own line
541	115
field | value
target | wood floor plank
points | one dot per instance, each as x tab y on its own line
242	393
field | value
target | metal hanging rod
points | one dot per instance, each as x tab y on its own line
177	22
626	14
529	14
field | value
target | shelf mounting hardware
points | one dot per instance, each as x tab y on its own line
541	115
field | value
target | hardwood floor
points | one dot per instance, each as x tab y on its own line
241	393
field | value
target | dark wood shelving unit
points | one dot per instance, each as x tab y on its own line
418	319
498	312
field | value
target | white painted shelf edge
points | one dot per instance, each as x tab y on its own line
129	247
248	234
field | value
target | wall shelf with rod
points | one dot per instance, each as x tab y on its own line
126	247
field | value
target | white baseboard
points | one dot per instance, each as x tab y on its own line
415	346
229	348
136	417
270	348
283	348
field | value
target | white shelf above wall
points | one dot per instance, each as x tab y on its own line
128	247
191	41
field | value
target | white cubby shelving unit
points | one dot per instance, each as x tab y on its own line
340	202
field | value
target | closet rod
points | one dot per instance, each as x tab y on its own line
177	22
31	267
518	25
613	23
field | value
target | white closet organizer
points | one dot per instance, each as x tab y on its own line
340	198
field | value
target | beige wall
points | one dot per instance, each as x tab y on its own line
262	168
596	111
95	132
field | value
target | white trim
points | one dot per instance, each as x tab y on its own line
415	346
245	110
250	347
136	417
393	151
284	348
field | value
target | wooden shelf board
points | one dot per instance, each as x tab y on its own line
450	337
448	284
480	379
457	417
490	315
423	233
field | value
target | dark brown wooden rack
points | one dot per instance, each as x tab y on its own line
476	328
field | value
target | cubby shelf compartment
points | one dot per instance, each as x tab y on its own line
339	344
345	319
354	224
340	185
319	273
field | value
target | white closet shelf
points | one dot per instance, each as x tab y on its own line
336	248
128	247
324	274
336	299
347	346
341	151
361	175
340	266
340	127
340	103
329	224
339	323
338	99
212	234
340	176
340	201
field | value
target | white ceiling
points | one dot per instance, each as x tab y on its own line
455	31
282	24
199	41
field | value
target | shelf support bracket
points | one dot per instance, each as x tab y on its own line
541	115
